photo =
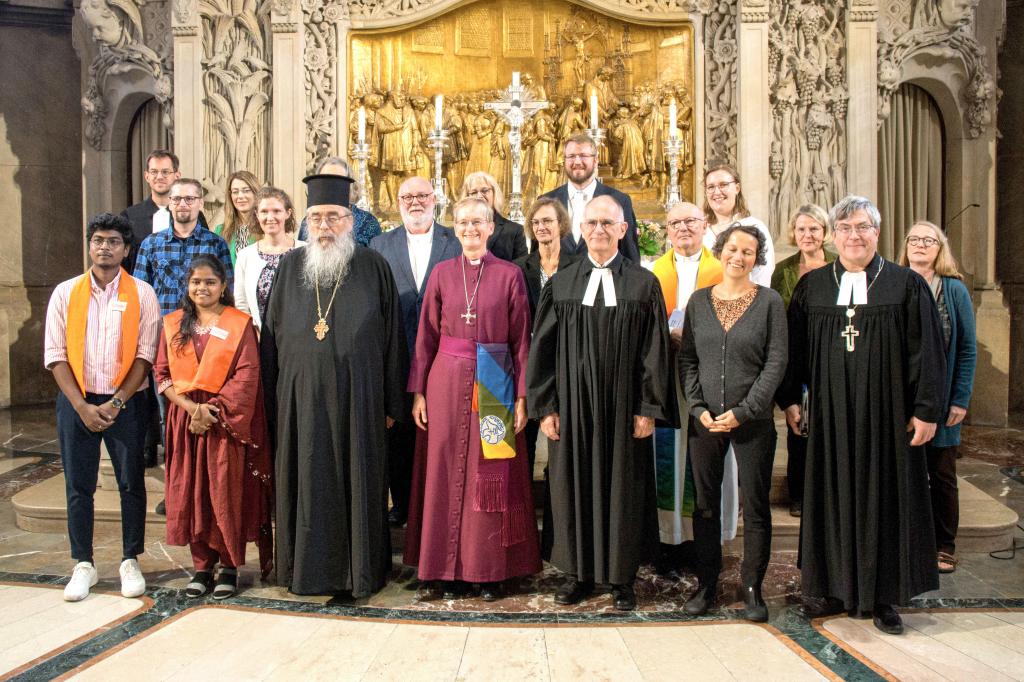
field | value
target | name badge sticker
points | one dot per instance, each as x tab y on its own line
219	333
119	306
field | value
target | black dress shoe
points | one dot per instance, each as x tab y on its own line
821	607
701	601
396	518
149	455
161	508
624	597
887	620
573	591
796	508
754	608
453	589
491	591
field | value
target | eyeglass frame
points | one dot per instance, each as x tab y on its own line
420	198
330	220
689	222
112	242
860	228
926	242
187	200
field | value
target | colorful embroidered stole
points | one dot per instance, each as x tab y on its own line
709	273
494	398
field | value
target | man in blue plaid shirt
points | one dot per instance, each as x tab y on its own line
165	256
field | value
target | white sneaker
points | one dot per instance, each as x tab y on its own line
82	579
133	583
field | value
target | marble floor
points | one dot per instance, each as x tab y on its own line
971	628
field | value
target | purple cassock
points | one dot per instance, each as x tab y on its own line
470	518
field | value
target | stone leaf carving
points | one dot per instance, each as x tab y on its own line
809	98
937	26
321	82
116	28
720	122
236	84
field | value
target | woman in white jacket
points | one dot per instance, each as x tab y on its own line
256	265
724	205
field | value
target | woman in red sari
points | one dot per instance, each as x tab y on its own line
218	459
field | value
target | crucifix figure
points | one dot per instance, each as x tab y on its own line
516	106
850	333
321	329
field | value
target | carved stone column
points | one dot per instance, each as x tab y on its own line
755	115
288	99
862	78
189	111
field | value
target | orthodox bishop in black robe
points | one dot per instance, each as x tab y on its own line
600	356
334	359
866	532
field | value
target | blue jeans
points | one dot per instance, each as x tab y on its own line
80	455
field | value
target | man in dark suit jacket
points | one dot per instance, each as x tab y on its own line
412	251
508	242
581	168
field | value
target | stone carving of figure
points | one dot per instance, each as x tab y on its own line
533	90
626	133
424	124
946	14
373	103
653	129
396	126
540	144
607	102
456	153
569	123
483	127
500	165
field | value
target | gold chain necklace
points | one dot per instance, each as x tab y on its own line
321	327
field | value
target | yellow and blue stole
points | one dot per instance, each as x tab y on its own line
494	398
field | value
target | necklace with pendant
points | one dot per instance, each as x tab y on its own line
469	316
850	332
321	327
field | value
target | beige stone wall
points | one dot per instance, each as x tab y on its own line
40	193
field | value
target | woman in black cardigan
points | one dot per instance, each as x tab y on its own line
546	224
507	242
732	360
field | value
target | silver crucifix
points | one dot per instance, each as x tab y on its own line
850	333
516	106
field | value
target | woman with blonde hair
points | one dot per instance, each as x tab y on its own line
926	252
724	205
508	241
240	228
808	231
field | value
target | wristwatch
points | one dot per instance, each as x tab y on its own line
118	403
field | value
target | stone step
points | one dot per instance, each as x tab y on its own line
985	524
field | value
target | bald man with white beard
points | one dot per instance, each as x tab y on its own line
334	361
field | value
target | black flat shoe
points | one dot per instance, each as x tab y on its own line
701	601
453	589
227	584
624	597
754	608
887	620
491	591
821	607
796	508
201	584
573	591
161	508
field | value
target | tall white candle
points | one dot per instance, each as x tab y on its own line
593	111
672	126
515	80
362	125
438	118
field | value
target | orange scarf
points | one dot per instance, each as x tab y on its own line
709	273
78	320
190	374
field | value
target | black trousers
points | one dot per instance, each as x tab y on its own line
796	449
401	446
754	443
80	454
945	496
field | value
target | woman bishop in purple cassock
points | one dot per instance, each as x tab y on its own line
471	517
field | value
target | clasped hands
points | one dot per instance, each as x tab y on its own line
202	418
551	424
723	423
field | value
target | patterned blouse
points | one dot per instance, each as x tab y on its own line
266	280
729	311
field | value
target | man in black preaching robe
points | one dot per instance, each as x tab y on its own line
599	376
334	359
865	339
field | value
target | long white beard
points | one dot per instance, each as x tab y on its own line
328	264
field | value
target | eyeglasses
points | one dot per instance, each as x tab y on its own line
926	242
241	191
861	229
112	242
546	222
410	198
690	223
479	192
814	229
606	224
161	173
579	157
476	224
331	219
720	187
188	201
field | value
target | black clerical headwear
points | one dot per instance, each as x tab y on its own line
325	188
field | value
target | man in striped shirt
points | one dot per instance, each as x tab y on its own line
101	336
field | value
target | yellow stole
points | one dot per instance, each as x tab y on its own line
709	273
78	319
187	372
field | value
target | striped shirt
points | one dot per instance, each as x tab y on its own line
102	332
164	258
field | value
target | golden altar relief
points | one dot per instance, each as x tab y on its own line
573	58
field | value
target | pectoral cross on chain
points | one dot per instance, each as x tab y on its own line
850	333
468	316
321	329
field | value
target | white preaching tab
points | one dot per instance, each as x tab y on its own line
161	219
603	277
853	285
